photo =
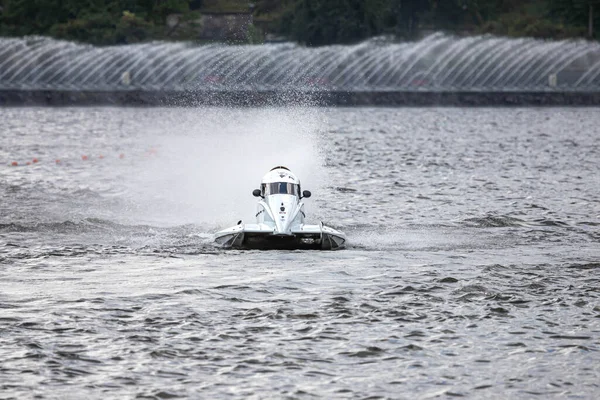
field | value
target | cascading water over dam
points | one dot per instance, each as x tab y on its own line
436	63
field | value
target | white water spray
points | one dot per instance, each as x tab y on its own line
437	62
208	161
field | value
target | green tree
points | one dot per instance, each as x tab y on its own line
313	22
96	21
162	8
320	22
408	14
582	13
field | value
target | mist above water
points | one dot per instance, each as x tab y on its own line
208	161
153	166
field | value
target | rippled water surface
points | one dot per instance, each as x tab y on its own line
473	268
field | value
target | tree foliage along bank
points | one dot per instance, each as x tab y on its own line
320	22
313	22
95	21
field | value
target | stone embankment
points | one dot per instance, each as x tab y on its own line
321	98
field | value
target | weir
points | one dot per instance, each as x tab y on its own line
437	63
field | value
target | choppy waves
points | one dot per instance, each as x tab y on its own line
473	268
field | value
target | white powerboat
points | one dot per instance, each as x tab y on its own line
280	219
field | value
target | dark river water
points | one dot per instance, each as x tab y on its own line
473	267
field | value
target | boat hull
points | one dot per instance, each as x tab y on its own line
263	237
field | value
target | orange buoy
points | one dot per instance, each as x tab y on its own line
14	163
57	161
121	156
35	160
84	157
101	156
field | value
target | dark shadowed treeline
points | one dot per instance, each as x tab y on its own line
313	22
95	21
339	21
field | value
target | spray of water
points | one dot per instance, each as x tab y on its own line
410	239
437	62
208	161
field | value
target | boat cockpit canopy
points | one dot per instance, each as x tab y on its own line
280	188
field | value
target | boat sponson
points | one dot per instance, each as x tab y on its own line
262	237
301	241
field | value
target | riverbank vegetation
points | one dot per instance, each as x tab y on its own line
312	22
